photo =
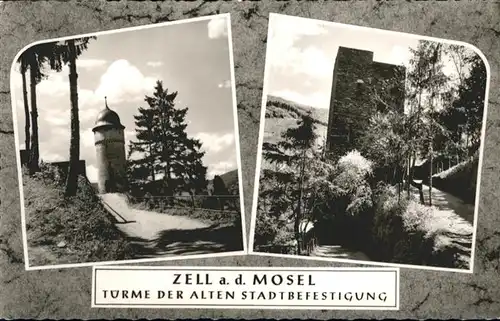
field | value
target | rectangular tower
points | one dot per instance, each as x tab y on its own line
355	78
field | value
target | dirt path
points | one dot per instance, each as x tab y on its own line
457	233
447	202
338	252
156	234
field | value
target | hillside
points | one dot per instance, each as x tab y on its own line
276	108
282	114
230	180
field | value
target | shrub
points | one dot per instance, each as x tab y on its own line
411	233
353	169
349	203
49	174
352	173
387	227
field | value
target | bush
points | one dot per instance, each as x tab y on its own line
347	213
410	233
353	169
49	174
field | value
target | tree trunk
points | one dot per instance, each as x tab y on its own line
298	216
430	177
421	194
34	151
152	167
74	149
412	171
26	111
408	169
467	143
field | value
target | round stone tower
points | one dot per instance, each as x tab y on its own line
110	152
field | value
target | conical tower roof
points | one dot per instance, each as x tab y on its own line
107	118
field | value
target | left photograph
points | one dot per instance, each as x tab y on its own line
128	146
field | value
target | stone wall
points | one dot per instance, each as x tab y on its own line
355	77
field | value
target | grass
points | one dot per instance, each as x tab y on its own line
73	230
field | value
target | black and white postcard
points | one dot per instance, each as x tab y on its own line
370	146
127	145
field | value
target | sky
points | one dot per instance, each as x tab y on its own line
192	58
301	55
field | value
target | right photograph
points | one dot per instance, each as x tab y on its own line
370	146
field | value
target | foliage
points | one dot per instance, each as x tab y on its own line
49	174
164	148
231	181
471	96
289	188
37	58
351	177
385	142
411	233
219	186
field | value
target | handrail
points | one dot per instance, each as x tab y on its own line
113	210
185	196
103	201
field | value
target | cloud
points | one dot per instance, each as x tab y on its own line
87	138
56	84
59	120
217	28
284	54
90	63
215	142
154	63
225	84
220	168
398	55
123	81
52	157
313	99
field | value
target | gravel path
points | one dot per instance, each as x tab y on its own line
157	234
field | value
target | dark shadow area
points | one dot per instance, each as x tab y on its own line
140	248
212	239
339	252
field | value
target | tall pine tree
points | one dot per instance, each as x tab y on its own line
295	151
167	157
